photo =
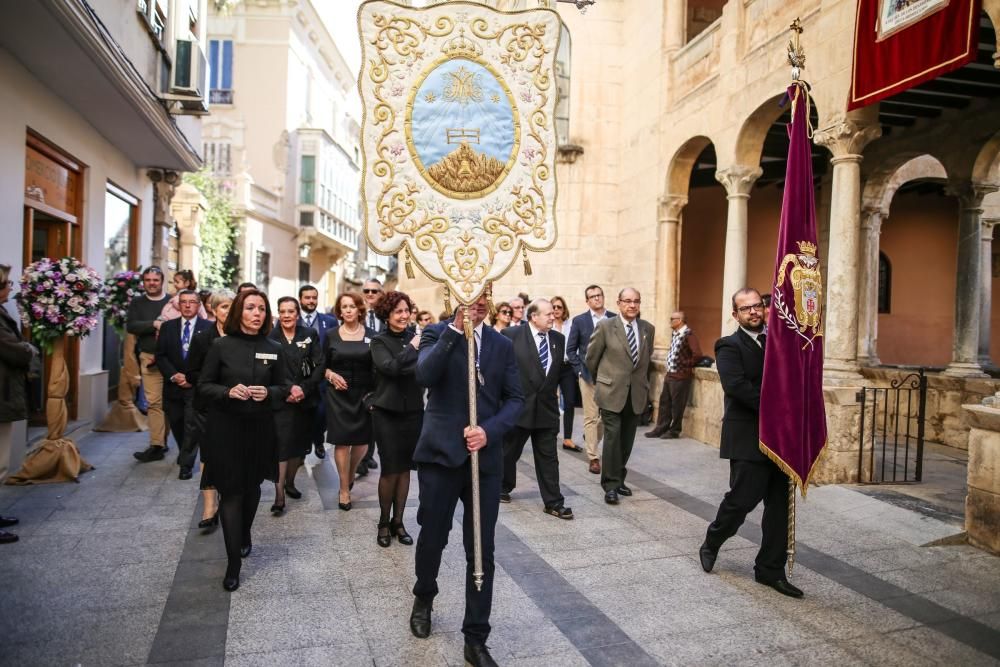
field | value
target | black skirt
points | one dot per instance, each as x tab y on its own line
396	434
294	424
240	451
348	422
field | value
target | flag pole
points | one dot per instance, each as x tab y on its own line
797	61
477	533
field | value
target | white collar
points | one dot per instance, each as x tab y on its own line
192	320
595	315
752	334
534	331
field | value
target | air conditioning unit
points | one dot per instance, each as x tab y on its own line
188	79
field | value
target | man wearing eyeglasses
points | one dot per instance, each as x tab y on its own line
576	350
752	476
618	358
372	290
517	314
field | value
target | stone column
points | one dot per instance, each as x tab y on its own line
674	21
738	180
667	265
969	287
164	185
986	300
871	227
845	140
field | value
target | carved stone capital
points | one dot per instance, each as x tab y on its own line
670	207
738	180
986	228
969	193
846	137
872	218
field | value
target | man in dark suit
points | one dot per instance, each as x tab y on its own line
576	350
619	360
752	476
539	354
314	319
443	468
171	358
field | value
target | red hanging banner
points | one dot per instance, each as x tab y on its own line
899	44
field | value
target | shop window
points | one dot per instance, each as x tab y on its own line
884	283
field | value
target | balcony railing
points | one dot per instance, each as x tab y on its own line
220	96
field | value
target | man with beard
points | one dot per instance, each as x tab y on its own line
322	323
752	476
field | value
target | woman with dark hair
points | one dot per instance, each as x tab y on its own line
567	380
242	379
501	320
295	418
348	364
183	280
397	411
219	302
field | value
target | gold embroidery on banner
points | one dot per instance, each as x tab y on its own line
466	257
807	286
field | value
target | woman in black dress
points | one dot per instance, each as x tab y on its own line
303	359
397	411
348	364
242	380
220	302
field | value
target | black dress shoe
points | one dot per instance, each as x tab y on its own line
420	618
383	538
292	492
150	454
8	521
320	451
185	473
278	510
782	586
478	655
7	538
707	556
611	497
504	497
624	491
372	465
210	522
362	470
232	579
655	433
560	512
245	550
397	529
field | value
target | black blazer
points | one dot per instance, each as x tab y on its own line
200	346
395	361
305	350
169	357
740	361
443	369
242	359
579	339
541	403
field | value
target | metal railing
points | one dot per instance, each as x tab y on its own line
891	448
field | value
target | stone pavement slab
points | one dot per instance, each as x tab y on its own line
113	571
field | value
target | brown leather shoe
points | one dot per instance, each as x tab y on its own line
595	466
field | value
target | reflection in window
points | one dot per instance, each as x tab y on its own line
308	175
119	219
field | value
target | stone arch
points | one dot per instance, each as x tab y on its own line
986	168
887	178
682	164
753	132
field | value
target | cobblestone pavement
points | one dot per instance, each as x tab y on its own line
113	571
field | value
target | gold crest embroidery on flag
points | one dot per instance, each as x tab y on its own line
807	287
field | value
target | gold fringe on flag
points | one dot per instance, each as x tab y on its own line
409	266
524	258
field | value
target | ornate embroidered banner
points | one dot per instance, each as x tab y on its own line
899	44
458	137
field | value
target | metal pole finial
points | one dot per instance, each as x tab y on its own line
796	54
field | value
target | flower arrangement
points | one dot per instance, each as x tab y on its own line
120	289
60	297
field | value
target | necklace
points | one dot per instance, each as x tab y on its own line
353	331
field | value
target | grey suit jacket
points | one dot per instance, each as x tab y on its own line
609	362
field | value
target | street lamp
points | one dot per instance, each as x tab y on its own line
582	5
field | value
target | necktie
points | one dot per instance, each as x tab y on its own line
371	321
186	339
309	320
543	351
762	339
633	344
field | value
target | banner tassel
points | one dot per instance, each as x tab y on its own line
791	526
409	266
447	301
524	258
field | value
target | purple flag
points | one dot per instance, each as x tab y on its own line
792	412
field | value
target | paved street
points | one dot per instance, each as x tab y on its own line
113	571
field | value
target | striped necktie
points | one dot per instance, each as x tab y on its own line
543	351
633	344
186	339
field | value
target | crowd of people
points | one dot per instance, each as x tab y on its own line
252	393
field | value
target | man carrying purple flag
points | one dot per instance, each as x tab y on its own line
784	393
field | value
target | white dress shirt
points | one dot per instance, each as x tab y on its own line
538	345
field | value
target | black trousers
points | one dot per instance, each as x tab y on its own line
619	436
440	490
568	389
673	401
750	482
543	446
194	426
319	424
173	406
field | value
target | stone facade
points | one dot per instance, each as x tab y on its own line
982	504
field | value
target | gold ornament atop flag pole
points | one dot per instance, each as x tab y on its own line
458	149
